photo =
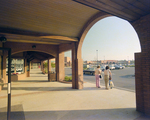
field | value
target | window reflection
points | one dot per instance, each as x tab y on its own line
17	66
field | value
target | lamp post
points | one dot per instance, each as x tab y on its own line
97	57
104	59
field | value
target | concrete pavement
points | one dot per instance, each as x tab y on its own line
37	99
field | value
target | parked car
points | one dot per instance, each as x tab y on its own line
122	66
102	68
90	71
117	67
111	67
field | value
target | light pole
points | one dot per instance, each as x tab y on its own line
97	57
104	59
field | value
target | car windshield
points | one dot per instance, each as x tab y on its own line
102	67
111	65
91	69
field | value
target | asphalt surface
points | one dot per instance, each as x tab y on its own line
123	78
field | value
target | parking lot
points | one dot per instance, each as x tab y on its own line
122	78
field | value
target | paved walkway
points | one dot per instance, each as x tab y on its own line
36	99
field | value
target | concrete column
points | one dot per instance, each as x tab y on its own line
49	69
42	66
77	70
29	68
0	67
30	65
1	80
4	68
25	67
15	67
56	68
60	71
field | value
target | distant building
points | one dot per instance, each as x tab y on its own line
132	62
88	62
103	62
67	61
123	62
109	61
53	60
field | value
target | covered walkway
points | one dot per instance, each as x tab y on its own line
31	27
37	99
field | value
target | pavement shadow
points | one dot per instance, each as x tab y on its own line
17	114
31	81
92	114
125	89
41	88
53	88
36	73
37	76
128	76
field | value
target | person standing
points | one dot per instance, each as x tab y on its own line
107	74
97	74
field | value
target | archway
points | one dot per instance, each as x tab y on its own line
112	40
29	55
139	58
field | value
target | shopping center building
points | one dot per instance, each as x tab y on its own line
38	30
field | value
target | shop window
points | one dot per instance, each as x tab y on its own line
17	66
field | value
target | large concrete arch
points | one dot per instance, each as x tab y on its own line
87	27
77	62
51	50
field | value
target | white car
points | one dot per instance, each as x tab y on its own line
118	67
111	67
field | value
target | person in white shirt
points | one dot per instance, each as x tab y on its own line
107	74
97	74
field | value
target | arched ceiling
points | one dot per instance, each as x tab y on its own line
130	10
32	55
43	20
60	21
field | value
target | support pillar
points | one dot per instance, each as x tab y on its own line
42	68
15	66
1	80
77	70
49	69
31	65
142	65
4	68
28	68
139	83
25	66
142	80
60	71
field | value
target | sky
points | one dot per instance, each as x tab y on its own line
111	38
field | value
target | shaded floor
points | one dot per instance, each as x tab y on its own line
37	99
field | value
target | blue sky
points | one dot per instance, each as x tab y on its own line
111	38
